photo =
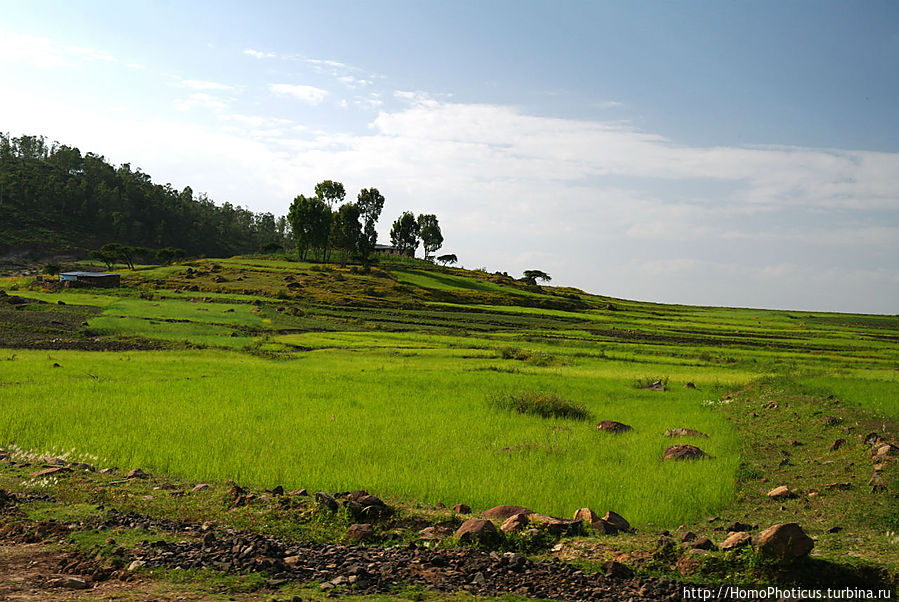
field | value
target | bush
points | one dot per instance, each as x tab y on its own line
52	269
545	405
536	358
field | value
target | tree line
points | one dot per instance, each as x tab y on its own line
54	194
327	228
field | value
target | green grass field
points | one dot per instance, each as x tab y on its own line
382	381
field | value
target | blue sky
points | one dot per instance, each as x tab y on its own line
727	153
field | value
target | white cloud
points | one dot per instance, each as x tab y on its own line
258	54
308	94
196	84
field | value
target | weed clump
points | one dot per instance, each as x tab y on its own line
545	405
535	358
653	383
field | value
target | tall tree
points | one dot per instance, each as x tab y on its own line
330	192
404	234
429	232
370	203
346	231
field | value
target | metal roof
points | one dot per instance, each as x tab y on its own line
89	274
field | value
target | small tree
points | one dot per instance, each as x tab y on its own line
447	259
429	232
170	254
532	276
404	234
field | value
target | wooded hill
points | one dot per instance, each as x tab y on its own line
54	199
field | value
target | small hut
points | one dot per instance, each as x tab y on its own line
86	279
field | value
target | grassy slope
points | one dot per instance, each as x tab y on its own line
442	335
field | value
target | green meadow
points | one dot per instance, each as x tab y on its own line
384	381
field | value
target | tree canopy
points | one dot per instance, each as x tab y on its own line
404	234
429	232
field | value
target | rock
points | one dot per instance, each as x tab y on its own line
292	561
837	444
135	565
604	527
462	509
784	542
326	502
617	570
688	536
843	486
107	471
360	532
886	450
612	426
70	583
587	515
137	473
556	526
201	487
703	543
504	512
735	540
781	493
515	523
478	530
683	452
685	433
617	521
49	471
689	385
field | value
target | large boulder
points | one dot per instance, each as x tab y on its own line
515	523
683	452
480	531
784	542
504	512
617	521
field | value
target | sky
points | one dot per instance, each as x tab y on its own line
707	153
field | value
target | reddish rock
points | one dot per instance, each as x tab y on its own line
612	426
478	530
837	444
360	532
703	543
735	540
515	523
462	509
556	526
683	452
785	542
504	512
137	473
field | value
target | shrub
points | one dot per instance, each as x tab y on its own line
536	358
545	405
52	269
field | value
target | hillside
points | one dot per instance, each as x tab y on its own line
433	388
54	200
